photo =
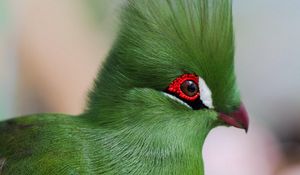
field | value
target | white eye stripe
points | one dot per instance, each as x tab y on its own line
177	99
205	94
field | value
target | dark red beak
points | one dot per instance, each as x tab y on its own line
238	118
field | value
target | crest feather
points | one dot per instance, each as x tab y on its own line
160	40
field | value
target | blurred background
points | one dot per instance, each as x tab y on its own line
51	50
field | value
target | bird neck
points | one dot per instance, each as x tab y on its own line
153	150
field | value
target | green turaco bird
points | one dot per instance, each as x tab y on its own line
167	82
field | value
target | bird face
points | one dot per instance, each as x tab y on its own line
192	91
182	51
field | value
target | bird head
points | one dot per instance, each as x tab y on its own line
173	62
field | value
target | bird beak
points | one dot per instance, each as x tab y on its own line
238	118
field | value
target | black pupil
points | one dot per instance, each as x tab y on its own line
189	88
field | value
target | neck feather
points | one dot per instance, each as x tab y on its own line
151	150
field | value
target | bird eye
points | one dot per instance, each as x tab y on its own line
189	88
185	87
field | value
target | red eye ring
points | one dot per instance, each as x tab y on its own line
175	86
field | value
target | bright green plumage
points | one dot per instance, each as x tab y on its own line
129	125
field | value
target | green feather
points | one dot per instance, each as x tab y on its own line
129	125
160	40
